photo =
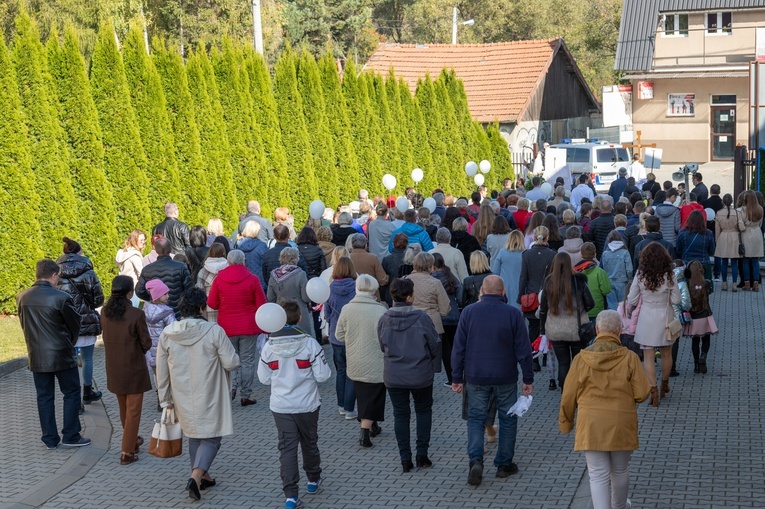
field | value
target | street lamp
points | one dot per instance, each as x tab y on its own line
456	23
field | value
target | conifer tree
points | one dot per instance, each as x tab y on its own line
180	106
213	138
314	109
428	102
246	149
390	158
401	125
364	128
501	162
20	237
302	183
422	156
266	119
148	100
124	158
49	154
451	133
79	117
346	161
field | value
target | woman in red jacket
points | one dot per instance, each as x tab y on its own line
237	294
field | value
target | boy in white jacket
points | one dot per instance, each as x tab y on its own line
293	364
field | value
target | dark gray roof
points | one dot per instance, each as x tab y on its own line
640	18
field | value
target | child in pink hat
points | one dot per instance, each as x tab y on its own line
158	316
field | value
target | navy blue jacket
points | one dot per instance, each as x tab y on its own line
695	246
491	341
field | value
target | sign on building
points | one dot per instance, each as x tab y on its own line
681	105
645	90
617	105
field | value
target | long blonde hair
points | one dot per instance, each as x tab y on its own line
132	240
515	242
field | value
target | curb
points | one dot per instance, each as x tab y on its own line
582	499
6	368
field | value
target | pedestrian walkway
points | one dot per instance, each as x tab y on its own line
702	448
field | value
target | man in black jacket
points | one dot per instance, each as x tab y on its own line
271	257
51	325
177	232
602	225
174	274
653	227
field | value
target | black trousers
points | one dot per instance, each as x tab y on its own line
447	342
423	408
565	351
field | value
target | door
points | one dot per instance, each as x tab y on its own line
723	132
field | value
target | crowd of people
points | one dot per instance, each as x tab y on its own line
492	287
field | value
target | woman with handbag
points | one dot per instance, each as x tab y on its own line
728	228
657	325
751	239
194	362
563	306
535	265
696	242
126	341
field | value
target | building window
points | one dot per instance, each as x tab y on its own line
676	25
719	23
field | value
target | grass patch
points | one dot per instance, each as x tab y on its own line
12	343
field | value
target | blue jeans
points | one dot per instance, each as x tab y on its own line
346	394
616	295
733	269
716	271
87	364
751	269
69	383
478	407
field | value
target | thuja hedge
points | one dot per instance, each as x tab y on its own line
94	147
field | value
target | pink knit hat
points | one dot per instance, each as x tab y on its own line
157	288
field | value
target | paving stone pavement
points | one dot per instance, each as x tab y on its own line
702	448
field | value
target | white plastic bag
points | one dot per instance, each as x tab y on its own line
521	406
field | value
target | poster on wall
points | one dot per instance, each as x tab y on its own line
681	105
645	90
617	105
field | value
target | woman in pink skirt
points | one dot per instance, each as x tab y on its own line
703	324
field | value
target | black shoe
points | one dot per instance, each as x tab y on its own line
553	385
696	368
475	476
364	440
89	395
375	430
407	465
423	462
673	373
247	401
204	484
703	365
504	471
80	442
536	365
193	489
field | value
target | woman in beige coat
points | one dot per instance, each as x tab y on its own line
728	228
429	293
357	329
655	284
194	359
752	213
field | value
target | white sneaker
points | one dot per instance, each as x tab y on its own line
350	416
629	504
716	280
341	410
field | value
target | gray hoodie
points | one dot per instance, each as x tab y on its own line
411	346
669	218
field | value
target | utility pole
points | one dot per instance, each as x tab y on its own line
454	25
257	26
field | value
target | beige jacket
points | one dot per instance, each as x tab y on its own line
430	296
454	259
727	230
752	237
357	328
367	263
655	312
130	263
194	358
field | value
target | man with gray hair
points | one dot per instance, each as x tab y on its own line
366	263
253	214
602	225
177	232
175	275
453	257
380	232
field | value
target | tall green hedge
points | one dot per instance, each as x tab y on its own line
502	163
20	235
97	231
398	114
363	128
47	147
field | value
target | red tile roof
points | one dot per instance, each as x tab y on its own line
499	78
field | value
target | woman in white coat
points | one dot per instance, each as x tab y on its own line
129	259
194	359
655	285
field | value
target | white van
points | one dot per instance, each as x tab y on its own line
600	159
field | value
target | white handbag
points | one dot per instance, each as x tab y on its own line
167	436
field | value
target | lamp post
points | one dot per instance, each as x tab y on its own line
257	27
456	23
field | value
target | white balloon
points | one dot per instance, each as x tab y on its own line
430	204
317	290
471	168
547	189
478	179
484	166
710	214
417	175
402	204
270	317
389	181
316	209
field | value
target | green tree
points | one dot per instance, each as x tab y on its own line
364	128
20	239
124	158
315	112
79	117
180	106
302	185
212	137
390	158
49	154
435	128
422	155
501	162
451	133
346	162
150	107
401	125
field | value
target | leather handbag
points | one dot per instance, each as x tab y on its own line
674	327
167	436
586	330
741	247
529	302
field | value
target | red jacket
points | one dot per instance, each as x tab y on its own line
686	210
237	294
521	218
